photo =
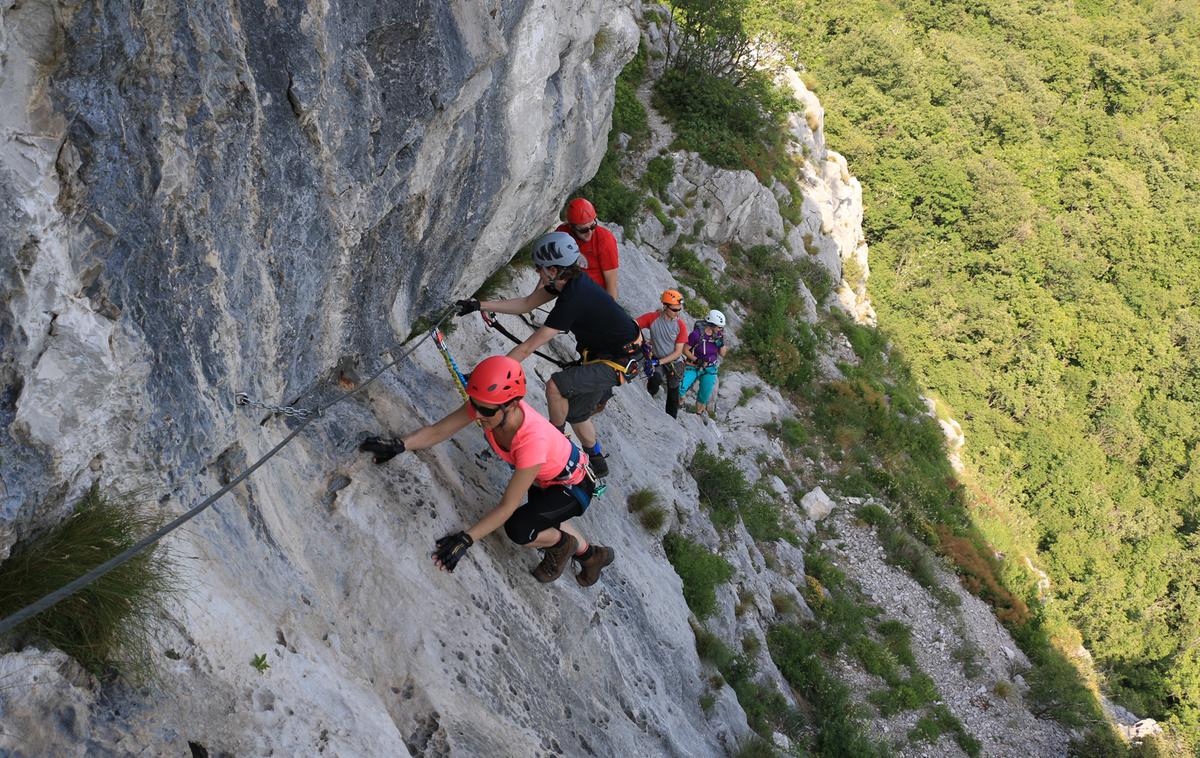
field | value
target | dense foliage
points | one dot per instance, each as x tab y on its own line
1032	189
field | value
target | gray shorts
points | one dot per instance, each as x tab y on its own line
586	389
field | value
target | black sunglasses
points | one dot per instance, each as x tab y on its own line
673	308
584	229
489	412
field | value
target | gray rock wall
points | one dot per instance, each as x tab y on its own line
202	198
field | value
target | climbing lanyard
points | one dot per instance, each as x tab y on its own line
460	380
491	320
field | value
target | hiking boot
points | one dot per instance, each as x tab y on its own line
591	567
599	465
555	559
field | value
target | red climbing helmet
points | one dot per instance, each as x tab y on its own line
580	212
496	380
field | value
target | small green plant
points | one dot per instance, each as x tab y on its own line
652	518
898	638
749	392
111	624
968	656
259	662
642	499
707	701
905	695
701	571
784	603
1002	689
793	432
937	722
656	208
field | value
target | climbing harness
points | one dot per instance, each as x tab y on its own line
489	318
72	587
629	353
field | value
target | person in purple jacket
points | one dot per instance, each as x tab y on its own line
705	348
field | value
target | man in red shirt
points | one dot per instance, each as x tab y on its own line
597	244
668	337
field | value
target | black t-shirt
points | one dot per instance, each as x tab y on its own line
586	310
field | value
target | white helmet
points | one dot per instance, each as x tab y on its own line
556	249
716	318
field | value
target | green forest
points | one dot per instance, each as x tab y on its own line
1031	177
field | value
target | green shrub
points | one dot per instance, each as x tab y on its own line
700	570
629	115
691	271
659	173
613	200
816	278
842	732
656	208
711	649
731	126
775	337
111	623
723	486
761	517
707	701
905	695
940	720
876	659
898	638
793	432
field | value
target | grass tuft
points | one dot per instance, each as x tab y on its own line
111	624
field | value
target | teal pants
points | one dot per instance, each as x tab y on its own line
708	379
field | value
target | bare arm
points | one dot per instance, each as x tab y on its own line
428	436
674	356
610	282
514	493
519	305
543	335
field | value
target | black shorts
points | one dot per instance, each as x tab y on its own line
546	508
586	388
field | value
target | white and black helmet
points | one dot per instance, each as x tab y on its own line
557	249
716	318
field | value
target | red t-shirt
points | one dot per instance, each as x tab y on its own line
600	252
536	443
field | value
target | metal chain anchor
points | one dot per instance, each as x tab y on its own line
242	398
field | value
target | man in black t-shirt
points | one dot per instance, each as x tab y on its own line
606	336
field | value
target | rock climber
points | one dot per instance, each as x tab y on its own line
702	355
667	338
597	244
549	472
608	340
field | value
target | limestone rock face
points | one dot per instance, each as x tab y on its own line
202	199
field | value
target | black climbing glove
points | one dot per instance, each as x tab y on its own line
451	549
384	448
466	307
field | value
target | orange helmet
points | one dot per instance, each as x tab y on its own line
580	212
672	297
496	380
